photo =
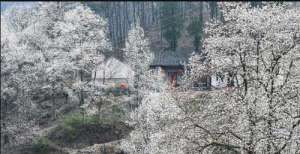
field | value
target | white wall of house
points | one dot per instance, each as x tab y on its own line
113	69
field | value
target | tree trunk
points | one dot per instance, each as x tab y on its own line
95	75
103	79
137	90
81	91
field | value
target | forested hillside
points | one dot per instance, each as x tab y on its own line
163	22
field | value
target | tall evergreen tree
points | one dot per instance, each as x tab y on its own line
171	23
213	9
195	29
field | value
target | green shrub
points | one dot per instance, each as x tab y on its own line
41	146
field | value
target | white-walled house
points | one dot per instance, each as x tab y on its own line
113	71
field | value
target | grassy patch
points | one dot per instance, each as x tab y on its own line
78	131
73	122
77	119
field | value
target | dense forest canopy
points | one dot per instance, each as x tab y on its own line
165	18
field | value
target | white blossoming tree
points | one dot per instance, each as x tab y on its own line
259	47
43	48
150	88
138	56
154	121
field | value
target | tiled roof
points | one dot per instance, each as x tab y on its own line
170	58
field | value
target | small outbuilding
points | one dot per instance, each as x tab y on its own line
171	65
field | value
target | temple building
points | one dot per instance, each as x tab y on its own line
171	65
